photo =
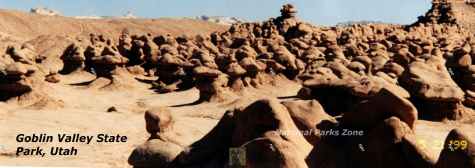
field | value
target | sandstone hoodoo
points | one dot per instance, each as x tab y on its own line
22	78
17	67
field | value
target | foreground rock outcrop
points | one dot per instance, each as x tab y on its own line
299	133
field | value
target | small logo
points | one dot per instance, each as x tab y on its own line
237	157
361	147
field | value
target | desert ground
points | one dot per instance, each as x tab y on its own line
185	91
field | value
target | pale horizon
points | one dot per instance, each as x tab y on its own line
322	12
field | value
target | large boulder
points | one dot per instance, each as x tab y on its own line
438	97
266	115
431	82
